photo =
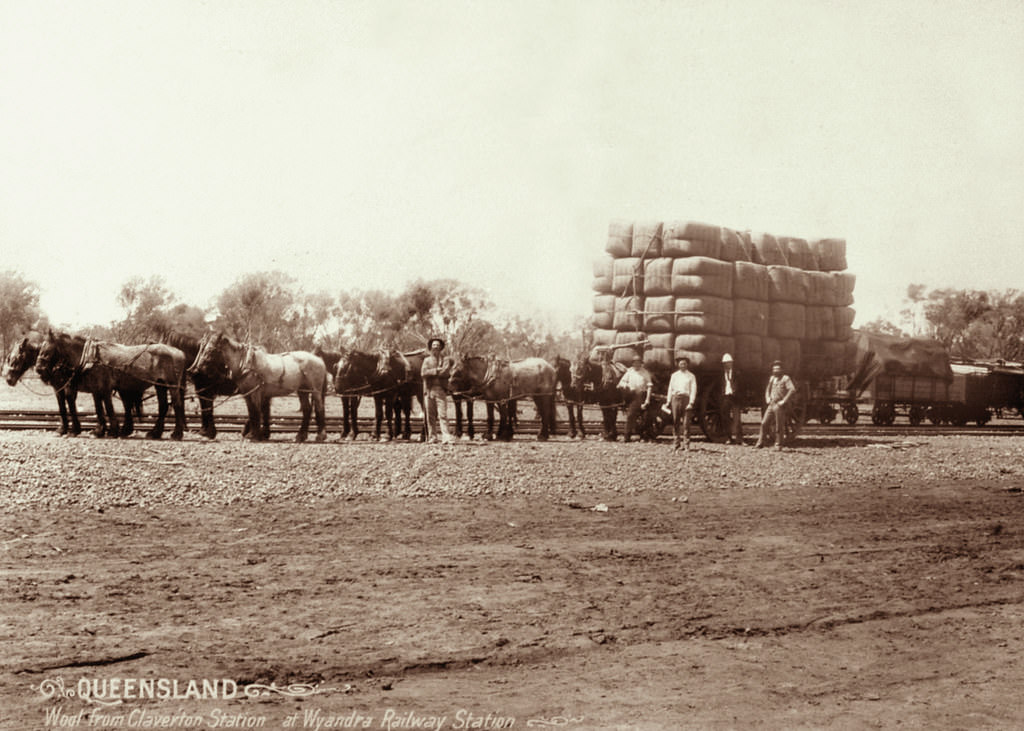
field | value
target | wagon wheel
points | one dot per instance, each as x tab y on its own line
934	415
713	422
851	413
958	416
827	414
916	415
883	414
983	418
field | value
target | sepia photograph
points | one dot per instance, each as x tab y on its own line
474	364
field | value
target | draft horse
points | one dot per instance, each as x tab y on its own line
357	375
403	369
502	383
598	383
210	383
260	376
349	404
58	364
574	396
154	364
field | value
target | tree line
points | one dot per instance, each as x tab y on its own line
270	309
971	324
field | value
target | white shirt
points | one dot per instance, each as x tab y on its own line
683	383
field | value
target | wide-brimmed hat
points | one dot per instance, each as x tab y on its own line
777	363
430	343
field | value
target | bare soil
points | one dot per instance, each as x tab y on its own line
867	583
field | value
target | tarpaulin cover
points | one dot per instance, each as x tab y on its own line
898	356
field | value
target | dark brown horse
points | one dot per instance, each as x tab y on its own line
349	404
573	396
59	365
357	375
597	383
209	383
404	370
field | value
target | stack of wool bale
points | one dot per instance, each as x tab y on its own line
686	288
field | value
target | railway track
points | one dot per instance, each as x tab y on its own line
47	420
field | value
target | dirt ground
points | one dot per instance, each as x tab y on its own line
888	603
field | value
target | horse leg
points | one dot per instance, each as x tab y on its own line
542	412
354	412
254	426
470	432
321	418
107	401
579	420
71	399
378	414
265	418
63	409
128	401
100	430
208	429
306	408
178	402
457	402
161	414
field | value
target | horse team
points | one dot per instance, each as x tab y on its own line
221	367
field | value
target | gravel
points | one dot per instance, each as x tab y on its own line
41	469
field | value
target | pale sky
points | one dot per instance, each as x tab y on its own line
361	145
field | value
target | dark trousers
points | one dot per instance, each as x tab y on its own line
731	417
634	406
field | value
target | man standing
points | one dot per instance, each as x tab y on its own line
778	392
730	400
682	395
635	388
434	371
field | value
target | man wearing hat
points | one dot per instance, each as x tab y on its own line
729	393
635	387
435	371
778	392
682	395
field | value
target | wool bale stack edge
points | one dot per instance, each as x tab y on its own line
700	290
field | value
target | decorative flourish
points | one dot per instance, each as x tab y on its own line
50	688
553	721
298	690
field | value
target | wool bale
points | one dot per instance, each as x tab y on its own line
787	284
703	315
734	246
831	254
842	288
749	353
798	253
620	239
843	318
693	231
790	353
772	351
647	240
820	323
631	347
658	314
686	247
603	274
658	355
704	351
604	311
701	276
819	288
750	317
768	250
628	276
603	337
751	281
787	320
629	314
658	277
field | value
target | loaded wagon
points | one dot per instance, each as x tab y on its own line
685	288
915	378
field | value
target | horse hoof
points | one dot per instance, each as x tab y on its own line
321	436
300	437
150	435
177	436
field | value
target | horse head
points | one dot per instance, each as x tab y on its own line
210	360
21	359
383	362
580	371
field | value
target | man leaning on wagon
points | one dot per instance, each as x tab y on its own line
682	395
729	391
435	371
635	387
779	390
